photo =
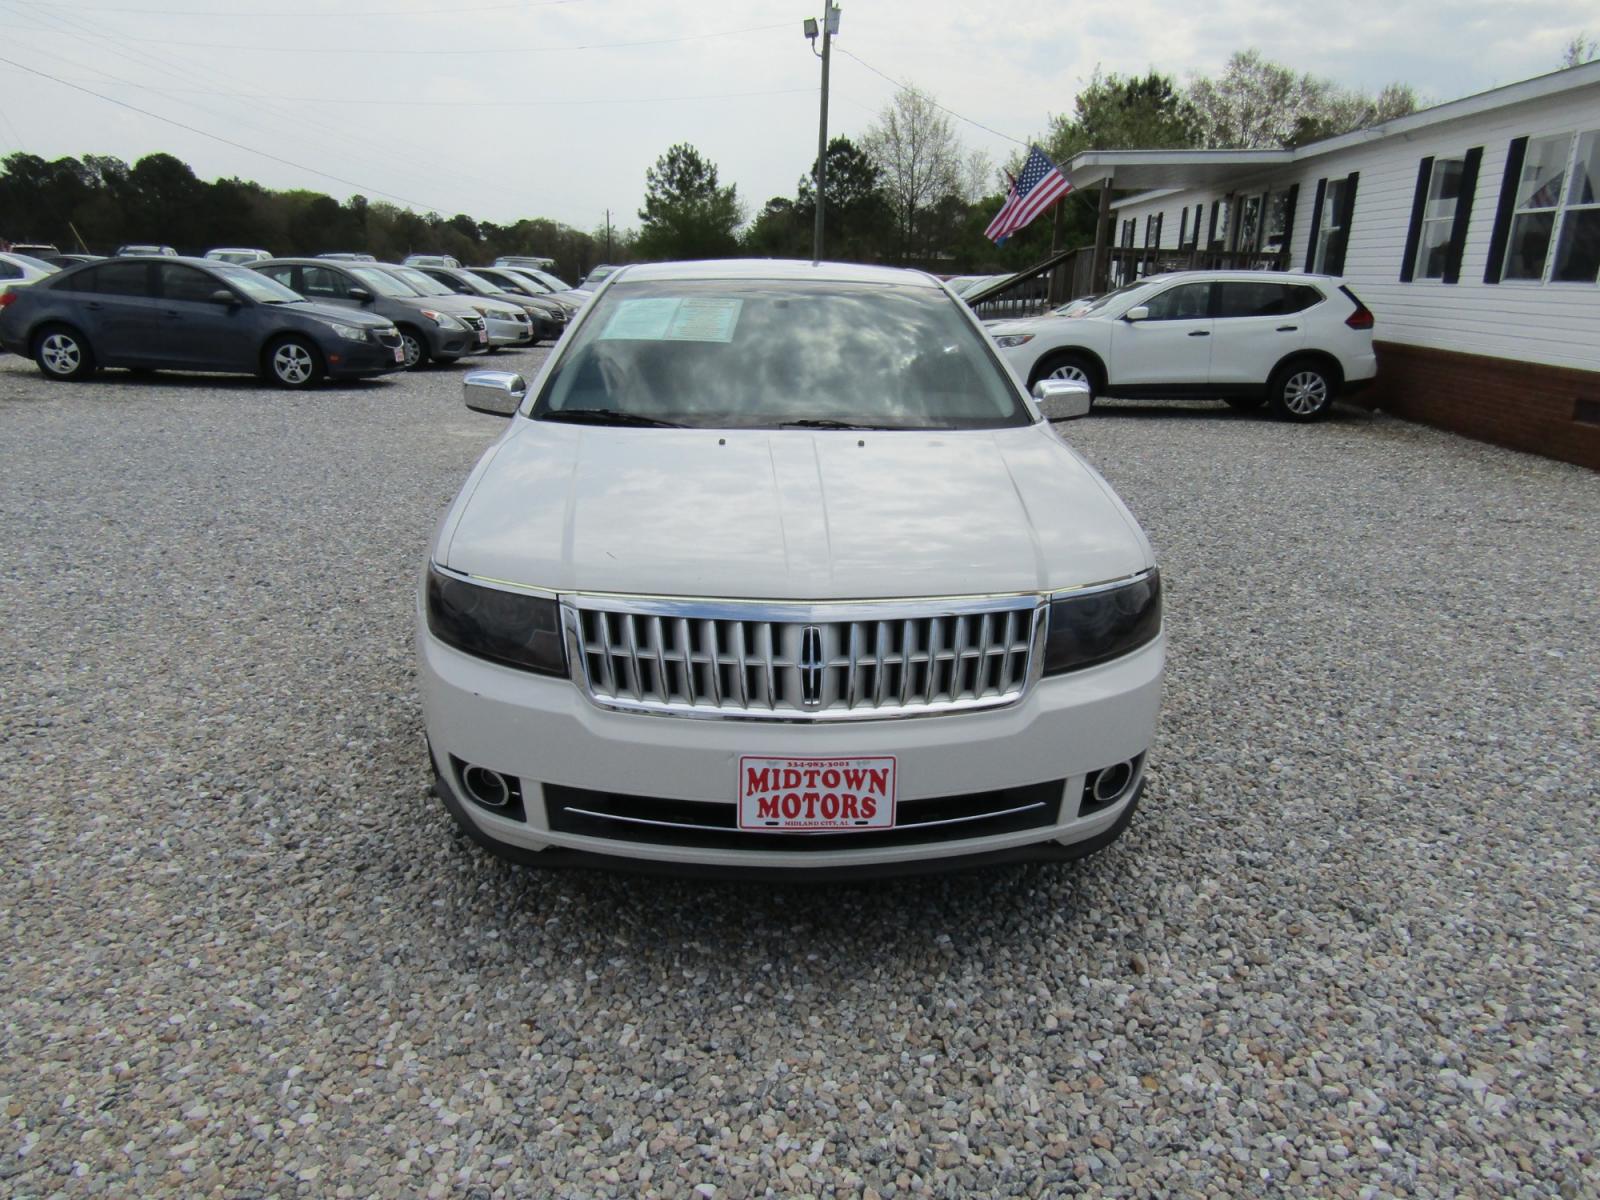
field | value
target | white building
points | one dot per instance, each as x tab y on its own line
1472	231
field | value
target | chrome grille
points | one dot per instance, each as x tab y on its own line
802	662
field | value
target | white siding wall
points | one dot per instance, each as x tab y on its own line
1554	323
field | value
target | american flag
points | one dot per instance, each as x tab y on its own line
1039	186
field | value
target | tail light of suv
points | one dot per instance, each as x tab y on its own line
1362	317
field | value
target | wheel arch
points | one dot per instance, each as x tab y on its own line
1319	358
1035	373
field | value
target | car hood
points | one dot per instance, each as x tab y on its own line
345	316
788	514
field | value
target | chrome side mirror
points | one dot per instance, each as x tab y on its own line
1063	399
498	393
1138	312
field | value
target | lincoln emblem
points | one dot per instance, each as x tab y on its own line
811	664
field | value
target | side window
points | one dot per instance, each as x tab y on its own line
283	275
186	283
1253	299
9	270
1301	297
322	283
1186	302
119	279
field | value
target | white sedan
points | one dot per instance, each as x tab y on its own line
777	569
19	270
1246	337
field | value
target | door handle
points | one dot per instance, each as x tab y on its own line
1200	333
94	306
1286	328
170	312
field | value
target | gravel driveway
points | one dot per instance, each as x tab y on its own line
1350	946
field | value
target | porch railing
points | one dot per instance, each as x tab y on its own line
1069	275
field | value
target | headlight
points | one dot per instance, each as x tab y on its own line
505	627
1101	625
1007	340
355	333
443	320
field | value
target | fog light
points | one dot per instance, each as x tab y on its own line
1108	786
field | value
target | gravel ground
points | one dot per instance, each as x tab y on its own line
1350	947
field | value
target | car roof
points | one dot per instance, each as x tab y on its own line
1239	276
776	269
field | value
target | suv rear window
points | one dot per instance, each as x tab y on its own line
1266	298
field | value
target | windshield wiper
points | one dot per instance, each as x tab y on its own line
823	423
603	416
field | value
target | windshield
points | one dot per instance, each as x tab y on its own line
257	286
381	282
422	284
550	281
1112	297
765	354
484	287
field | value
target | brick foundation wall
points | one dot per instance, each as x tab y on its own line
1554	411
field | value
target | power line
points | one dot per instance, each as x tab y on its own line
360	187
907	88
435	50
394	101
448	10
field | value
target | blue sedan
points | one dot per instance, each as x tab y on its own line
190	315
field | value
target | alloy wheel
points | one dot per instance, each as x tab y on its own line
411	348
1071	372
1305	393
61	353
293	363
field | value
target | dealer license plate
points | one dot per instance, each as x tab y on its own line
815	795
483	335
399	354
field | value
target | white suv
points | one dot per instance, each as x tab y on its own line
1241	336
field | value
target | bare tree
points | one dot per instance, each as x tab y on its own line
1580	49
1256	104
979	178
916	148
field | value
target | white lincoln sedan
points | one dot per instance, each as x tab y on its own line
778	570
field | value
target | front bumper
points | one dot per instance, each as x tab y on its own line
348	360
506	331
545	734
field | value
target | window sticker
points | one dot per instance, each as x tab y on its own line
674	319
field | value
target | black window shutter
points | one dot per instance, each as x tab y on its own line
1458	227
1316	225
1508	205
1419	202
1211	234
1288	220
1347	209
1183	228
1160	218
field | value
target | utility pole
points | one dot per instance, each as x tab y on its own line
830	26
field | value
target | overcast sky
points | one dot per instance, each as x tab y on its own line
494	108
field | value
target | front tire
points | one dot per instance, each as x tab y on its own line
1303	392
415	347
1078	368
63	353
293	363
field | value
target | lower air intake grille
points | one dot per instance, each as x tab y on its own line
713	824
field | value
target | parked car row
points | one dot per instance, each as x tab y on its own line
292	320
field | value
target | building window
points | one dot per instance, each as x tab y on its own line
1438	217
1578	247
1250	224
1330	236
1275	231
1533	216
